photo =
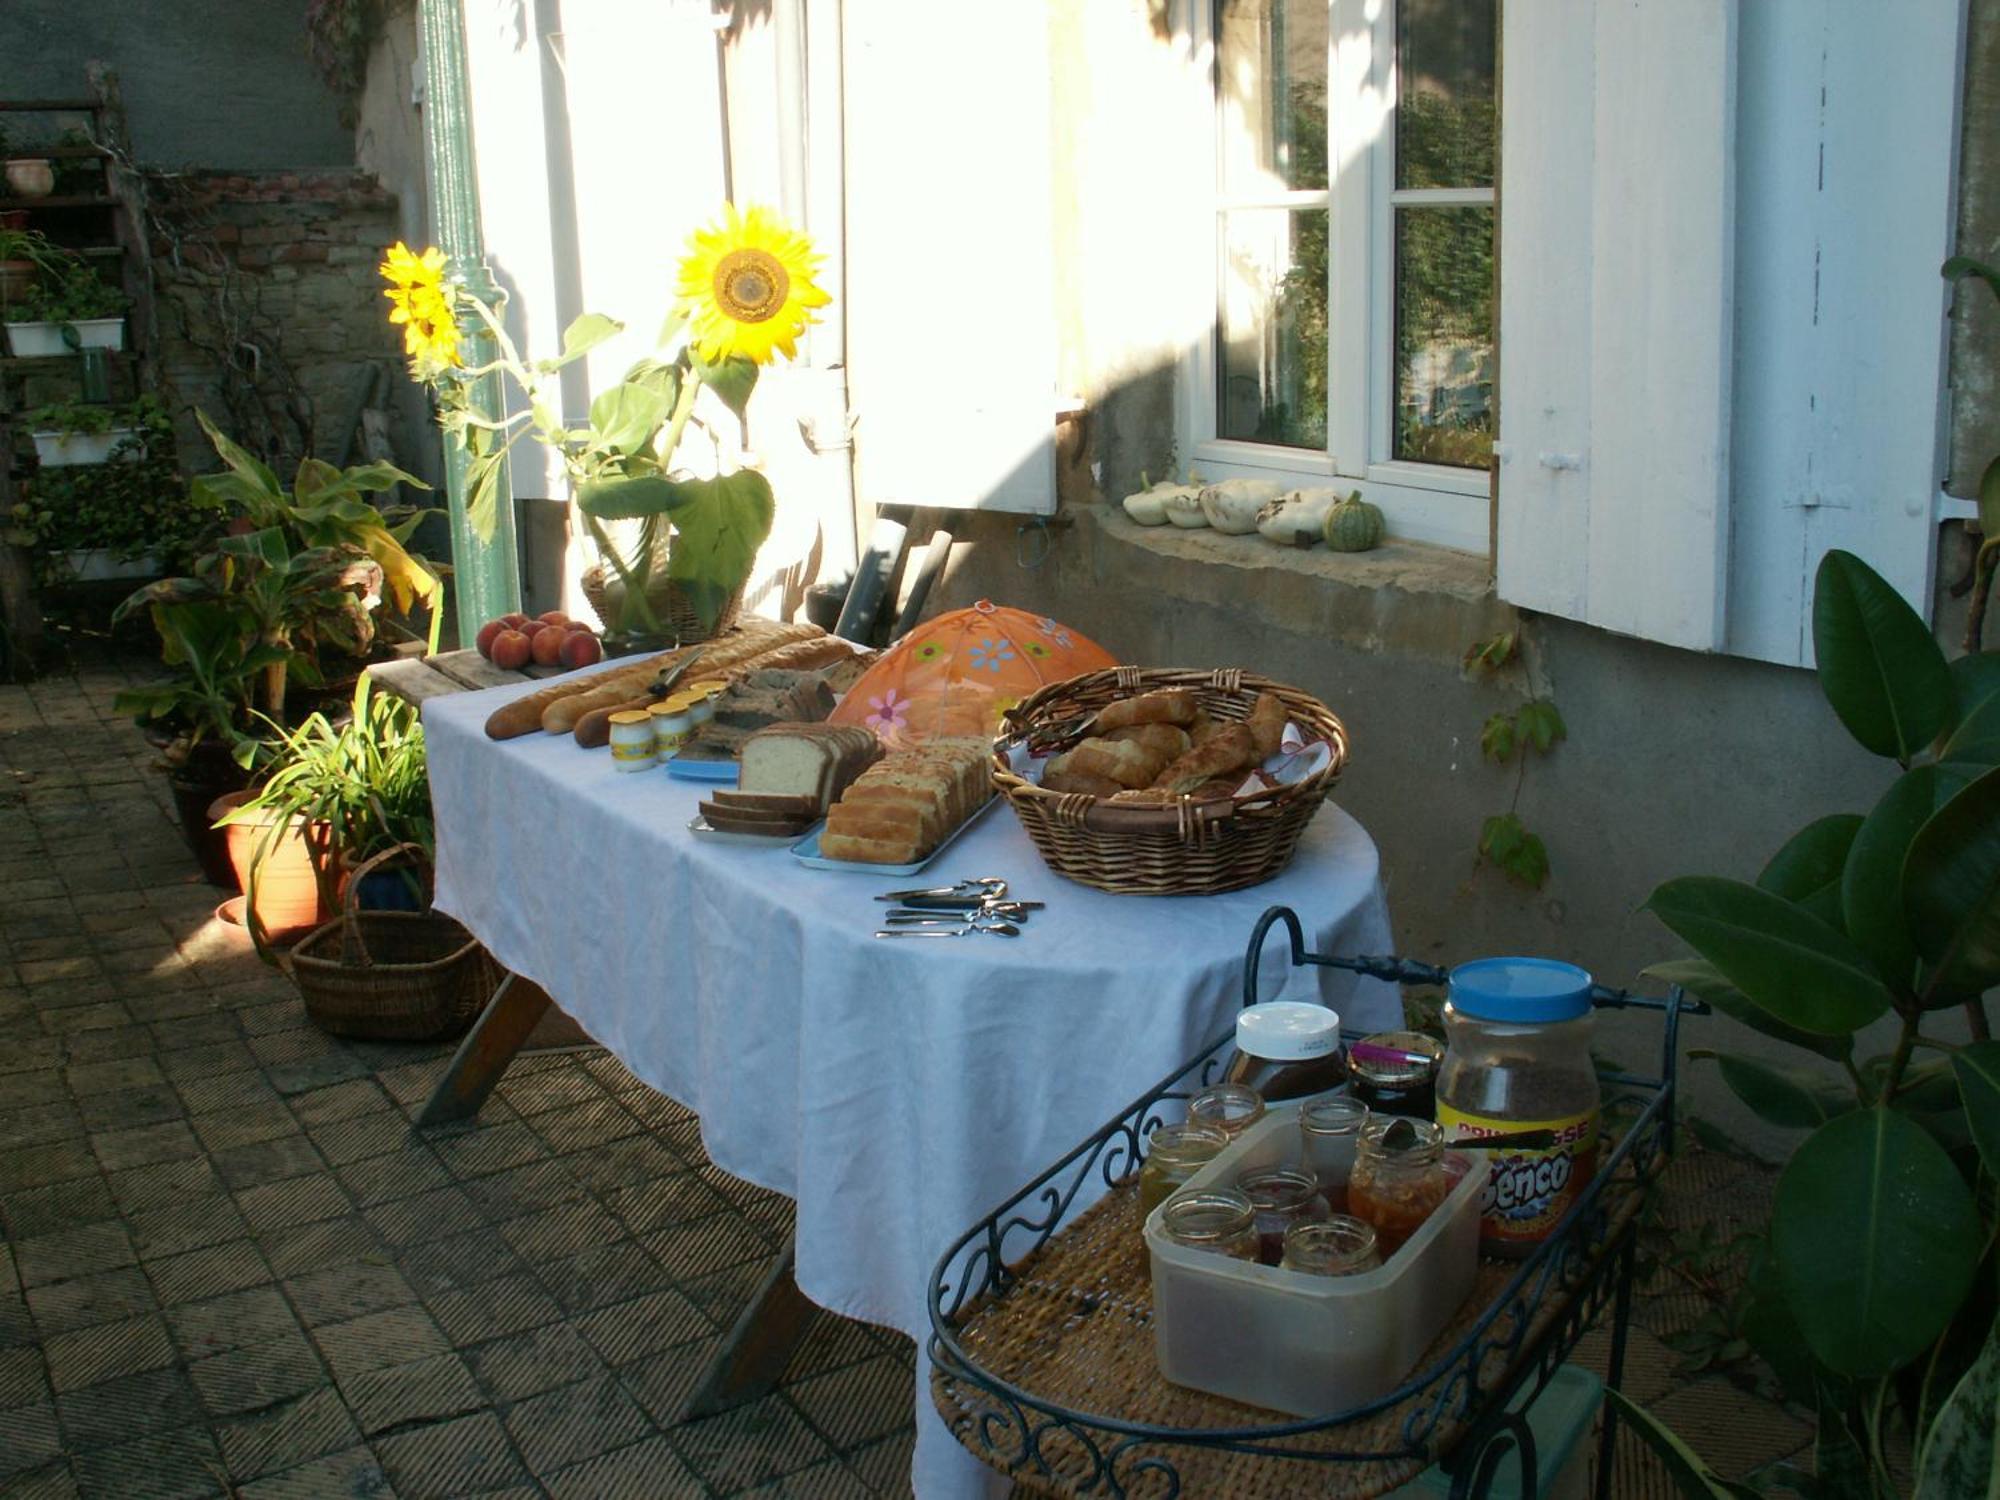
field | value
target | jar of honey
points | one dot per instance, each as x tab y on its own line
1174	1153
1399	1178
1220	1222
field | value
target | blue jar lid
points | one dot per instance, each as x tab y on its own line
1520	990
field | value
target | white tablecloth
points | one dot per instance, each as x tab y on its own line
896	1090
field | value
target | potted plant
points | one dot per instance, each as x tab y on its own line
24	255
28	175
337	794
68	307
130	518
84	432
676	548
1872	1295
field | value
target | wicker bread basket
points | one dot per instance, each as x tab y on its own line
671	605
392	976
1189	848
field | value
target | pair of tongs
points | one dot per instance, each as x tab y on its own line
976	891
963	924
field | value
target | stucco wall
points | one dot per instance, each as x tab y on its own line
205	85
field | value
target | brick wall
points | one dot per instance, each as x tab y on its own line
271	315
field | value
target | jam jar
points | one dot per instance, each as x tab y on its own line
1287	1049
1220	1222
1399	1178
1282	1196
1174	1153
1339	1246
1329	1131
1229	1107
1395	1073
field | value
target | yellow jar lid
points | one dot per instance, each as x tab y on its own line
702	690
677	703
631	716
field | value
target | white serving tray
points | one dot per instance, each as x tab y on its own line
806	851
699	826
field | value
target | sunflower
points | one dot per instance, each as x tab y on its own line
747	286
422	303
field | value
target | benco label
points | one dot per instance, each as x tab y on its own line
1527	1192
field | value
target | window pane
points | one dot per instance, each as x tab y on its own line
1444	106
1272	336
1444	336
1271	62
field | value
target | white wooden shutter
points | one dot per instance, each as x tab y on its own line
1616	224
950	254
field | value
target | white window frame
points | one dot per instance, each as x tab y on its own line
1434	503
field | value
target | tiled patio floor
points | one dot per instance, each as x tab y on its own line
232	1268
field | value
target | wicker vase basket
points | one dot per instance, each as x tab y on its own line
392	976
1189	848
675	612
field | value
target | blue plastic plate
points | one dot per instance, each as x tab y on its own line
720	772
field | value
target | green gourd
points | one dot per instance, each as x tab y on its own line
1353	525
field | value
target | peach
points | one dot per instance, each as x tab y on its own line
580	648
546	644
516	621
511	649
487	633
575	625
554	617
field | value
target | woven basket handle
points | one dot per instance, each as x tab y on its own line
353	951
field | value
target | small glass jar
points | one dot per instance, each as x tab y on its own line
632	740
1174	1153
1282	1196
1221	1222
1229	1107
1287	1049
672	724
701	702
1339	1246
1399	1178
1395	1073
1329	1131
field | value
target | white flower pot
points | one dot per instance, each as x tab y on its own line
41	340
101	565
61	449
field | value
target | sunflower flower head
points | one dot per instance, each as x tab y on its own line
421	301
746	285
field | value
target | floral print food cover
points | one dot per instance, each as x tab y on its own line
957	674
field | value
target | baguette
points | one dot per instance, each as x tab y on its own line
593	730
751	639
524	714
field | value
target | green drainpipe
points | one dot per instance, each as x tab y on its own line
485	574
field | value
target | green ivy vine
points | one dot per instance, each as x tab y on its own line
1505	841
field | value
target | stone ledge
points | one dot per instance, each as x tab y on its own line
1413	567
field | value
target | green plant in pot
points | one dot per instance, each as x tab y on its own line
25	255
68	290
337	793
676	548
1873	1295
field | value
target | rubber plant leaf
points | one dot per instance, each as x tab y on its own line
1951	889
1871	884
1876	1239
1786	960
1700	977
1790	1098
1959	1458
1977	1069
717	537
1974	733
1878	665
1807	870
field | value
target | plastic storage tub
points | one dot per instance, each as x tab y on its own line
1308	1345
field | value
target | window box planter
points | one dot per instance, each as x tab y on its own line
43	340
60	449
101	565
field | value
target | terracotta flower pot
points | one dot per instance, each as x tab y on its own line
287	896
206	775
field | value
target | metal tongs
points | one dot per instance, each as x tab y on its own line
977	891
964	924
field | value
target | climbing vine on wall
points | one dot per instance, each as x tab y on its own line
339	34
1505	841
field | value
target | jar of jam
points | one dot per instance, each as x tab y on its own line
1399	1178
1174	1153
1329	1130
1339	1246
1221	1222
1229	1107
1287	1049
1395	1073
1282	1196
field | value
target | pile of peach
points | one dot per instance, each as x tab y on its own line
550	640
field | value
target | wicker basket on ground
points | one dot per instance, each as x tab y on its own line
392	976
671	605
1189	848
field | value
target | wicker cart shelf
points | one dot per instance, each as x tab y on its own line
1042	1342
